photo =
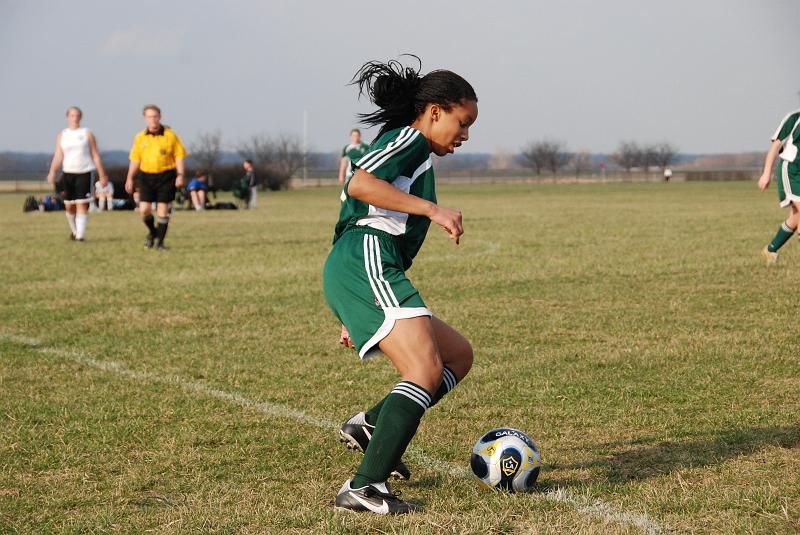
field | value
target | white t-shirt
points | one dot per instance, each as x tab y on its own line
77	154
108	188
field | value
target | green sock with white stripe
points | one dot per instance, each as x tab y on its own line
783	235
449	382
396	425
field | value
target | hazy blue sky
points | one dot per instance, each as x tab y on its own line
708	76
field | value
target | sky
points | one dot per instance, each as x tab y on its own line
705	75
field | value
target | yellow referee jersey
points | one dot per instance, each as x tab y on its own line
157	152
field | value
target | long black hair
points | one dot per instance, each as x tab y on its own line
402	94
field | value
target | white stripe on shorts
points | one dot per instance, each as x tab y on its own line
373	272
368	270
379	264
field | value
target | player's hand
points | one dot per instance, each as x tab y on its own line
763	182
129	186
344	338
179	181
449	220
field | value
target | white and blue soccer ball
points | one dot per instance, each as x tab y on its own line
507	459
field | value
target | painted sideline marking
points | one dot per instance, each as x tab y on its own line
583	504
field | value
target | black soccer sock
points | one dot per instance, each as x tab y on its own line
449	382
163	223
150	223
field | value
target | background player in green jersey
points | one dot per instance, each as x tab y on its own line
352	152
387	207
784	145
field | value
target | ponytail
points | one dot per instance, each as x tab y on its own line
401	94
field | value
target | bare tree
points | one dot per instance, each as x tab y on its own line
647	157
580	163
627	156
206	151
545	154
665	155
277	158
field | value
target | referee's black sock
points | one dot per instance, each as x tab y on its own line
150	222
163	223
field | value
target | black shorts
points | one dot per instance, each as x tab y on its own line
76	187
157	187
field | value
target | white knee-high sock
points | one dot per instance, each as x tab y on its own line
101	202
71	221
110	203
80	223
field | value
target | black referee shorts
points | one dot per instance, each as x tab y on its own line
157	187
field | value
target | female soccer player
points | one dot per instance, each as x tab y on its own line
76	152
388	206
784	145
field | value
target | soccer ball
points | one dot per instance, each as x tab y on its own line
507	459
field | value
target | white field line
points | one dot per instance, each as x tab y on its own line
586	505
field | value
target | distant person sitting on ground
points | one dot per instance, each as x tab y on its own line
197	190
104	193
251	200
667	174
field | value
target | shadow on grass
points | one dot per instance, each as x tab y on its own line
640	460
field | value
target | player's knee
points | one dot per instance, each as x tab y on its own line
468	356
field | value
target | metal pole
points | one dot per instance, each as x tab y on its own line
305	144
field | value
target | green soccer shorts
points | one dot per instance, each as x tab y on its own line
788	185
367	289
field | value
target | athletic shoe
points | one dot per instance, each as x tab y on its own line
161	247
356	434
148	242
71	236
376	498
80	239
769	257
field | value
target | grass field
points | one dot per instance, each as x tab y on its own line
631	330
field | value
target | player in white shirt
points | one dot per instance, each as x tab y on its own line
77	155
104	192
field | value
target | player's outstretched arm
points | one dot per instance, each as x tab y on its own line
370	189
58	157
769	163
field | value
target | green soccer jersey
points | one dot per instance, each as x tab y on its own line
401	157
355	151
788	132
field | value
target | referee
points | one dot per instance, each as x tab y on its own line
157	154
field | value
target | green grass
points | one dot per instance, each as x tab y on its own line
631	330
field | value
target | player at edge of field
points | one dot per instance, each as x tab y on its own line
76	152
158	156
352	152
388	205
784	146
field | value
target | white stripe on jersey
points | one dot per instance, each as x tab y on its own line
780	126
407	143
368	159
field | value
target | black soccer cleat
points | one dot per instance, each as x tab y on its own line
149	241
71	236
161	247
356	433
376	498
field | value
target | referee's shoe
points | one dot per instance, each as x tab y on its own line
356	434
